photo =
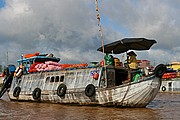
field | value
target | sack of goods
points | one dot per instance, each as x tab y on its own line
47	66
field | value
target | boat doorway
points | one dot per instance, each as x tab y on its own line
120	76
115	77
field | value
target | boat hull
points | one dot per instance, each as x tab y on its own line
170	85
132	94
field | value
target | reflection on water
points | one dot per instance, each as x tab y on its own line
165	106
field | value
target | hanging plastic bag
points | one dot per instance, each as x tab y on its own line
109	60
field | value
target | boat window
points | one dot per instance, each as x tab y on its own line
52	79
62	78
47	79
29	77
170	84
57	79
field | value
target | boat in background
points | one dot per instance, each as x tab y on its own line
171	85
171	79
83	84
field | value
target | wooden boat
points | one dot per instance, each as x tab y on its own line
86	85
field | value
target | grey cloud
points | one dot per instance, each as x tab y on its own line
153	19
48	26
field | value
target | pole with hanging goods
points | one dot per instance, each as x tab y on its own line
99	24
101	37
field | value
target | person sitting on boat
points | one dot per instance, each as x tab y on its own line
5	73
132	61
131	65
138	75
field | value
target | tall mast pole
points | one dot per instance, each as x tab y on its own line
99	24
101	37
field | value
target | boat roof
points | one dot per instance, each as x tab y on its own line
39	59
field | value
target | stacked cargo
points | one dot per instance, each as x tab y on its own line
169	75
50	65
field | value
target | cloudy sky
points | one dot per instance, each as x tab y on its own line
69	30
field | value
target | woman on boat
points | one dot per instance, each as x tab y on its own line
132	65
132	61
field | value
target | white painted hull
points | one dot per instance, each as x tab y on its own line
134	94
171	85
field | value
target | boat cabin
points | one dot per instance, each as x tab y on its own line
115	75
41	58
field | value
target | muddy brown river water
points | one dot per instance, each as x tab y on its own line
165	106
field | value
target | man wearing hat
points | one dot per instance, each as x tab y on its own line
132	61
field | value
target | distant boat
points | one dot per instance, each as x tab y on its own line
171	81
171	85
82	84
